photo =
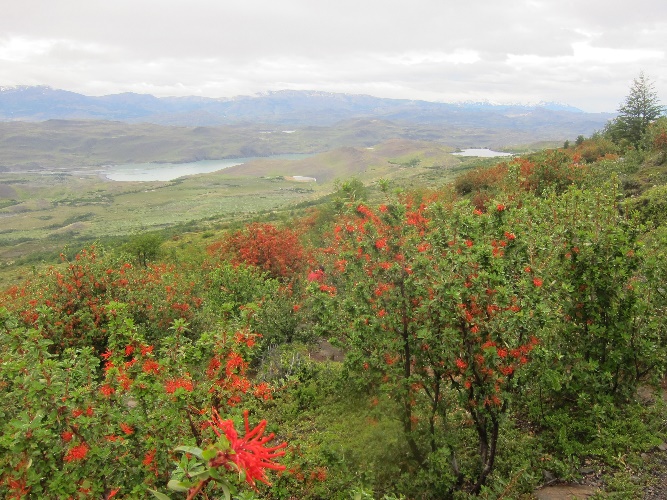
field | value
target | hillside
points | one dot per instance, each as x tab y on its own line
66	144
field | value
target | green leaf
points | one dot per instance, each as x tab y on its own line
225	489
209	453
160	496
201	475
177	486
192	450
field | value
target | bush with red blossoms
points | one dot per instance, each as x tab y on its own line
431	301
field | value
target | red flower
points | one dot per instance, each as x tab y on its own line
500	207
317	275
234	361
127	429
506	370
364	210
67	436
171	385
249	453
106	390
381	243
341	265
148	457
150	366
213	367
537	282
262	391
469	243
461	364
76	453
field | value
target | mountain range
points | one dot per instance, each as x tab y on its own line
290	108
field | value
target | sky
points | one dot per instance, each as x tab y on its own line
584	53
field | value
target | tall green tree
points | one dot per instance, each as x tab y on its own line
639	109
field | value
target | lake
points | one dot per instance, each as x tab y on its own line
146	172
482	153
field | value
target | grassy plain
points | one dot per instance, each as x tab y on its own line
42	212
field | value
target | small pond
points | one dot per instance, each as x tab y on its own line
482	153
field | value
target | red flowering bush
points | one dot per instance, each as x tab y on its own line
95	425
431	302
276	251
69	302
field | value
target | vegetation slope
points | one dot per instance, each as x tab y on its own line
474	337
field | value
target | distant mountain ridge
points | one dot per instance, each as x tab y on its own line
286	107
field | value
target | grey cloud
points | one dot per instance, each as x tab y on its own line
509	50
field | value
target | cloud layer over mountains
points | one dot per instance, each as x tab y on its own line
581	53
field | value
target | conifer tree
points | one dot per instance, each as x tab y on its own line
640	108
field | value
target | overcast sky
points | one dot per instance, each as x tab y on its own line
580	52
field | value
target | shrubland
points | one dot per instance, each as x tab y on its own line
466	339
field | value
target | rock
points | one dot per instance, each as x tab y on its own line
549	477
662	447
